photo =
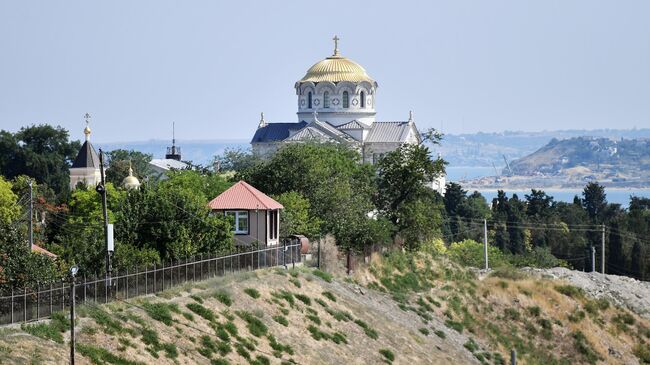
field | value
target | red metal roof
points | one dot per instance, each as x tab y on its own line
41	250
243	196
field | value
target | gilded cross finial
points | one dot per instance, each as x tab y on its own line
410	115
336	45
87	129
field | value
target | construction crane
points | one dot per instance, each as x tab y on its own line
507	165
496	173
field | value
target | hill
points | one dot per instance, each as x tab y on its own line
403	309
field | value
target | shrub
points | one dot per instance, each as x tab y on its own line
223	297
252	292
508	272
202	311
44	331
642	352
283	294
512	314
197	298
254	325
101	356
570	291
471	345
329	296
387	354
440	334
303	298
338	337
161	311
295	282
323	275
281	320
314	318
534	311
470	253
230	327
170	350
370	332
321	302
339	315
577	315
316	333
456	326
584	347
424	331
433	247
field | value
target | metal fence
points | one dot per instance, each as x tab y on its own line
24	305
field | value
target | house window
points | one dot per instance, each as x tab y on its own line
273	224
326	99
240	218
309	100
346	99
363	99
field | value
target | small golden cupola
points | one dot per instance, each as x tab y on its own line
131	182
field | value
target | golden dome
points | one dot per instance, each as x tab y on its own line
336	68
131	182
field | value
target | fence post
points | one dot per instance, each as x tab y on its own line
12	304
51	303
38	300
106	288
25	306
96	278
127	283
137	281
63	296
163	275
85	281
513	357
201	268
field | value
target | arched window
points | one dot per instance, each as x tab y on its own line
346	99
309	100
326	99
363	99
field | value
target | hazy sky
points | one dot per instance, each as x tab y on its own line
213	66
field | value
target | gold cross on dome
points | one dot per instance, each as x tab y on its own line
336	45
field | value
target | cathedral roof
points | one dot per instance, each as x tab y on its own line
355	124
87	157
275	132
336	68
389	132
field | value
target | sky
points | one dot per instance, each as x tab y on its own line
212	66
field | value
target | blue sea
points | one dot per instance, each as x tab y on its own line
618	196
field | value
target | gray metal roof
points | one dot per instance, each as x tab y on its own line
275	132
355	124
388	132
87	157
309	133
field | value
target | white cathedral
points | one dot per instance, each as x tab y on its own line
336	103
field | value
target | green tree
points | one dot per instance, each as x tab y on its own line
594	201
9	208
639	262
237	160
403	195
119	161
338	187
19	267
40	151
296	217
206	186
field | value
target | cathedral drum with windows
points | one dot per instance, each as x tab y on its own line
336	103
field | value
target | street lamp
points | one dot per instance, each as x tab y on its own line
73	273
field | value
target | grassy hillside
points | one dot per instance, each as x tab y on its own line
402	310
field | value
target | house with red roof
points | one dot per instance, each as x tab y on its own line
255	215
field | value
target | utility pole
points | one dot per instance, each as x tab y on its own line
485	244
101	189
73	273
31	215
593	258
602	256
513	357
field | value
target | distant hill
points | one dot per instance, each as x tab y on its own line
485	149
587	155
